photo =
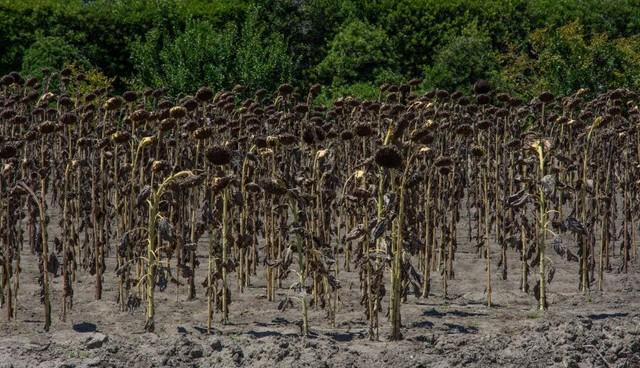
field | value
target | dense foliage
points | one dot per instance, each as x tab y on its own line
523	46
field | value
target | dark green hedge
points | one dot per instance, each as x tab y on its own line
350	45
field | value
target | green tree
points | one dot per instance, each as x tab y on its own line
262	58
462	60
50	52
565	59
617	18
203	54
358	53
200	55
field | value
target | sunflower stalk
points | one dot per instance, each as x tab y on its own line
152	242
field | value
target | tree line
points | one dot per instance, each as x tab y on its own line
351	46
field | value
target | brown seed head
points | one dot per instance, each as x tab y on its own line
388	157
218	155
203	133
204	94
47	127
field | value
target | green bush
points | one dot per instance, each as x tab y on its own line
361	90
103	30
52	53
203	54
358	53
617	18
200	55
461	61
566	59
262	59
